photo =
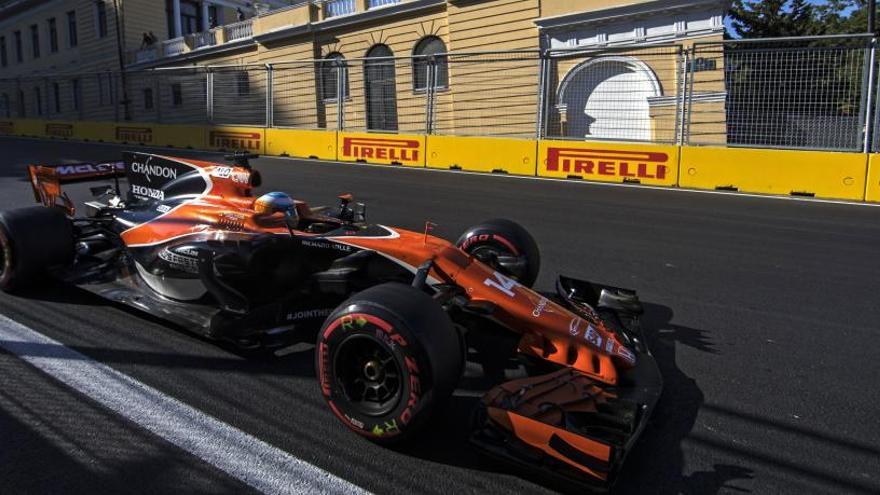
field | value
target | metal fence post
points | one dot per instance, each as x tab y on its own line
689	101
21	111
540	116
430	81
876	110
340	93
209	95
679	97
865	114
270	118
114	99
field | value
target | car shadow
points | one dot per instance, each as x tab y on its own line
656	463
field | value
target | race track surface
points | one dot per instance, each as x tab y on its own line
764	315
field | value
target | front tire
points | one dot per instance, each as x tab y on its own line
385	359
506	246
32	240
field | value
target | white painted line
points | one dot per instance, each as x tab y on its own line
734	194
242	456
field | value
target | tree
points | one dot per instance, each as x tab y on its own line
773	18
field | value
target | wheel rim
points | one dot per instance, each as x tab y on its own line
5	255
369	375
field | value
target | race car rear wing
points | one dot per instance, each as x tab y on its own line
46	180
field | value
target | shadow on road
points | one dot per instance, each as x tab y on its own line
656	464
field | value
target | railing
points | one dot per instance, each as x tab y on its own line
239	30
174	46
203	39
371	4
334	8
795	94
147	54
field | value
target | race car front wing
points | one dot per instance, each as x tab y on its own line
566	425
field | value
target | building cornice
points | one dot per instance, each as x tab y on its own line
630	11
349	20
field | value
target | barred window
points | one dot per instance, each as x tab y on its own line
176	95
243	83
38	102
330	77
35	40
424	50
56	97
75	93
5	111
380	86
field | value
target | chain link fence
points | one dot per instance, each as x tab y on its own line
810	94
800	93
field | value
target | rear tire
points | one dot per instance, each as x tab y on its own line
385	359
32	240
502	237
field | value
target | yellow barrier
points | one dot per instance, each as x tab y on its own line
28	127
483	154
853	176
387	149
650	164
301	143
135	133
225	138
96	131
806	173
180	136
59	130
7	128
872	190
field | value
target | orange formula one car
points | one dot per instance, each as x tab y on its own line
395	314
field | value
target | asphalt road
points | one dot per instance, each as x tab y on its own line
764	314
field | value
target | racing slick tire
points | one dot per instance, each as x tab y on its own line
32	240
500	237
386	359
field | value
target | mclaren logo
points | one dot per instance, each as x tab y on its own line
7	127
395	150
235	140
89	169
59	130
586	161
134	134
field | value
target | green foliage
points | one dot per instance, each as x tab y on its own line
782	18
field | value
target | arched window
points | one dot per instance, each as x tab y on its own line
330	77
381	89
426	48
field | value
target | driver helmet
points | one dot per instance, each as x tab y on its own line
274	201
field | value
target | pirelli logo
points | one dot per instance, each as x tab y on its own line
234	140
390	149
59	130
7	127
624	164
134	134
